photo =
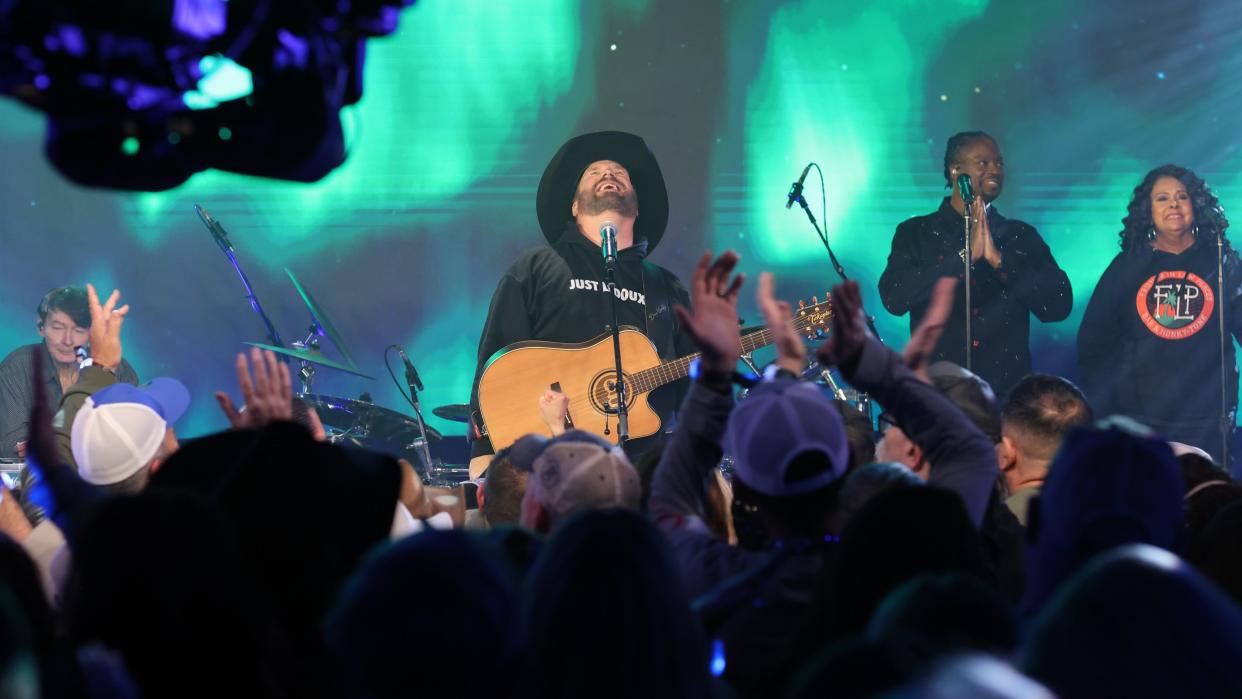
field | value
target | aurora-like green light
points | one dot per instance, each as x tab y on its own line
463	106
445	100
828	91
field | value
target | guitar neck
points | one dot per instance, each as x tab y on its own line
670	371
806	319
657	376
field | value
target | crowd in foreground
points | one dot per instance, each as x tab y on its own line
1023	549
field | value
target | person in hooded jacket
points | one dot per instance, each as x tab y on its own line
1149	344
557	292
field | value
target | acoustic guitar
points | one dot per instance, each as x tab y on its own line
516	376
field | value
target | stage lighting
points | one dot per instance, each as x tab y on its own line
144	94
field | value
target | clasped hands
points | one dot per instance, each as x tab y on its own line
981	243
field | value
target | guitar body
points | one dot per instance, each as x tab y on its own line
516	376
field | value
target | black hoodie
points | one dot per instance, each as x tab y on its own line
1149	343
557	294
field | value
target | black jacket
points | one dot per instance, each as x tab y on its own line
926	248
760	603
1149	342
17	391
557	294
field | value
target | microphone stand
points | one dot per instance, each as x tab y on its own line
222	239
424	449
966	262
622	410
796	195
1226	419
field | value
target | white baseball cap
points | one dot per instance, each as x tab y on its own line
119	429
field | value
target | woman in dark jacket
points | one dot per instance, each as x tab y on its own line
1150	341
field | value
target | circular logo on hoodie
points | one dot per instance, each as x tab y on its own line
1175	305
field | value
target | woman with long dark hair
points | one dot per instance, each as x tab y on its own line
1149	344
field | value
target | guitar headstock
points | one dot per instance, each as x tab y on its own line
814	319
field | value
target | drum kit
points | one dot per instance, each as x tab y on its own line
358	422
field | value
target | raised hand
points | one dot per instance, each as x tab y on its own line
791	350
55	488
106	322
13	521
849	327
713	320
41	452
924	338
267	398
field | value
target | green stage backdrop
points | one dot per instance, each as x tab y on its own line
466	103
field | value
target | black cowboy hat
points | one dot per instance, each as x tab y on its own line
560	182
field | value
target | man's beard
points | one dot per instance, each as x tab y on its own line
593	204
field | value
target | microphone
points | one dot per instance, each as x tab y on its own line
608	242
411	375
963	186
795	191
217	231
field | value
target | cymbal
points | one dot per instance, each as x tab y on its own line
457	412
320	318
360	423
366	423
311	356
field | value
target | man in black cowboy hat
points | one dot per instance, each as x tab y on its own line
557	292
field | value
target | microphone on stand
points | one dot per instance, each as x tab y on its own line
415	384
967	193
411	374
964	188
608	242
217	231
795	190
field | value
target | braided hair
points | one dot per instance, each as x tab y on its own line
956	143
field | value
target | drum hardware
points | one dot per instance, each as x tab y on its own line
456	412
748	359
414	384
823	376
307	352
226	246
441	474
345	420
826	377
310	355
362	423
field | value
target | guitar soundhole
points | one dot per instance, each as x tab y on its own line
604	394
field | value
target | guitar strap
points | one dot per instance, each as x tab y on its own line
659	301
